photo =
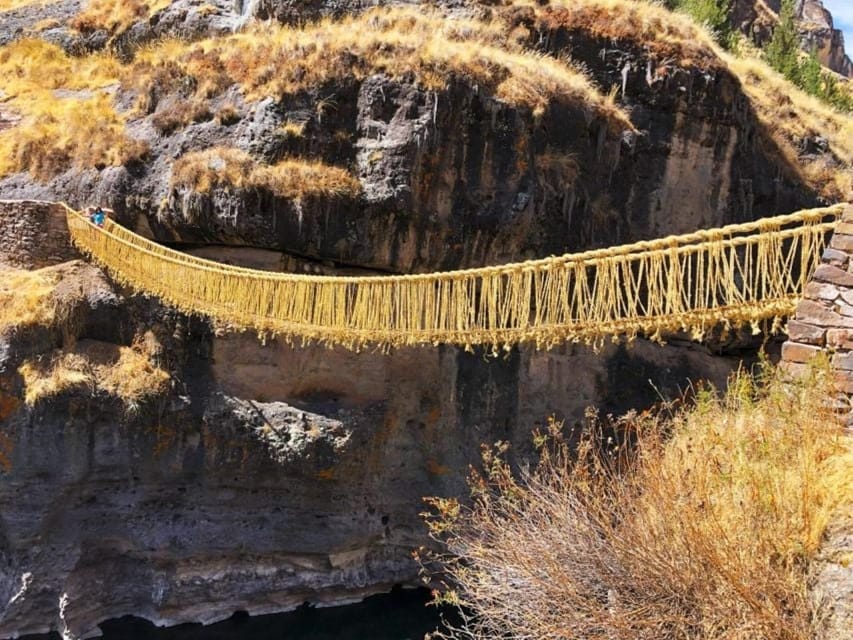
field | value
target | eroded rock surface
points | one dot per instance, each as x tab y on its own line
265	474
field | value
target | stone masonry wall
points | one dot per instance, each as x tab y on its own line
824	323
34	234
824	319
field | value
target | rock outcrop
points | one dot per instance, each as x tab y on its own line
820	35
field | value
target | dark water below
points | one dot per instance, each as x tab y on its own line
400	615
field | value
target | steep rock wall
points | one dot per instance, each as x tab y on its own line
267	475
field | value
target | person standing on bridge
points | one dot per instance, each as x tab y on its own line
98	217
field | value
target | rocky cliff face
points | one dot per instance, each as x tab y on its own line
266	474
820	35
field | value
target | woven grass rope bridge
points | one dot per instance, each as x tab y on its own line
735	276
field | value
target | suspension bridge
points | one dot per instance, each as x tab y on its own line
737	275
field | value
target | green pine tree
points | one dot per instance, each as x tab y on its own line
712	13
783	50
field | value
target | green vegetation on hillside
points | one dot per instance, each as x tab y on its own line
714	14
701	525
783	53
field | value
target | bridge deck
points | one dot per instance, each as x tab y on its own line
736	275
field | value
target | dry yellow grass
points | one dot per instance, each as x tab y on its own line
180	114
127	373
269	60
663	32
788	114
792	115
69	118
234	169
26	297
115	16
703	528
8	5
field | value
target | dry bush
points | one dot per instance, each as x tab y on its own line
127	373
115	16
227	114
293	129
296	178
26	298
202	171
702	528
54	375
180	114
224	167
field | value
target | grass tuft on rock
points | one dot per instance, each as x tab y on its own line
273	60
230	168
26	298
127	373
68	113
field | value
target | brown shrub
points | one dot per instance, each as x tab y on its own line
227	115
702	528
180	114
115	16
110	15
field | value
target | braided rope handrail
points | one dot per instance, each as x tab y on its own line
735	275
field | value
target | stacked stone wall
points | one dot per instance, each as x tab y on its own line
34	234
823	321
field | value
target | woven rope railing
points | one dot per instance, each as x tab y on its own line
736	275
